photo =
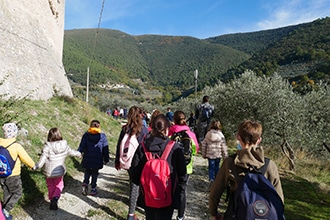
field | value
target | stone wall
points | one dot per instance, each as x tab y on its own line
31	45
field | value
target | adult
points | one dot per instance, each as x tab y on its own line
204	113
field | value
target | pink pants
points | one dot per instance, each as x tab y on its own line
55	186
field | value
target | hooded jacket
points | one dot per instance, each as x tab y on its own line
232	170
53	158
214	145
156	145
95	150
195	147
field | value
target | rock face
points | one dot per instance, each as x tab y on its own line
31	39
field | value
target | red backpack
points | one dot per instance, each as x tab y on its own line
156	179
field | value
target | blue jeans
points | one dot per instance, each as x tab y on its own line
213	168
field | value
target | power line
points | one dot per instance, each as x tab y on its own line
98	28
93	50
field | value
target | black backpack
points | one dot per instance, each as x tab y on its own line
185	142
256	197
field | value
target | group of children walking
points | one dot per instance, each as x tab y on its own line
93	150
213	148
151	142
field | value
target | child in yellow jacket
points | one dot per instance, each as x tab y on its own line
12	185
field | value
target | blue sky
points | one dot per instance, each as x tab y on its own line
195	18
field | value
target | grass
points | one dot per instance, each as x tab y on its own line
72	117
306	190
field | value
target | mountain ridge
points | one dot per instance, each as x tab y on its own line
167	63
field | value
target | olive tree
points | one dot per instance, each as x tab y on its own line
290	120
317	127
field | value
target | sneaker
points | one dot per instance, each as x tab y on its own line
178	218
53	204
94	192
7	215
84	189
132	217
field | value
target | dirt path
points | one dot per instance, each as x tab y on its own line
113	195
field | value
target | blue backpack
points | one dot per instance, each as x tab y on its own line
6	162
205	113
256	197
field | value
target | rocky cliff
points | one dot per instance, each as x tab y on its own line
31	39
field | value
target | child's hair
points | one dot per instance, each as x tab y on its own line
54	134
159	126
154	114
134	120
95	124
215	124
179	118
249	131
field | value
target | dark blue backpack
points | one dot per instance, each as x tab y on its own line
6	162
205	112
256	197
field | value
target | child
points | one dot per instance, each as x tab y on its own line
156	143
52	159
95	151
214	148
251	155
12	185
134	126
180	125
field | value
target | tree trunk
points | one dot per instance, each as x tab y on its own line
326	147
289	153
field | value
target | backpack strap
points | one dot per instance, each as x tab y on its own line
165	153
11	144
263	169
167	150
147	153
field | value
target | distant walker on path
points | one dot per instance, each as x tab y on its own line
204	113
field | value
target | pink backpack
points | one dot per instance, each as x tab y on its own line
128	147
2	216
156	180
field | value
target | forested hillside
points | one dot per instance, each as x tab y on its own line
302	56
164	62
299	53
253	42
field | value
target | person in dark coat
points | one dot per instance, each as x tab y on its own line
95	153
156	142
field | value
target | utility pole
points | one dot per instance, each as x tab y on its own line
87	85
195	77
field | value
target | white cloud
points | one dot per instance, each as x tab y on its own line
285	13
